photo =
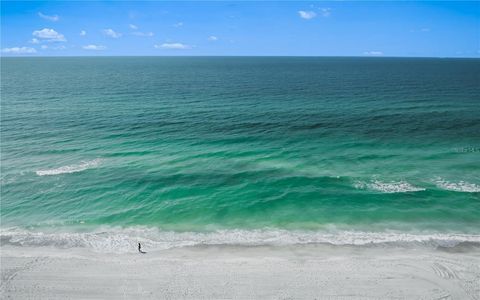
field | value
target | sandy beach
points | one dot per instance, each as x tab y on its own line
228	272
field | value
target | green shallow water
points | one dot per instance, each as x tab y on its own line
241	143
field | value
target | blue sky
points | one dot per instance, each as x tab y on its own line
314	28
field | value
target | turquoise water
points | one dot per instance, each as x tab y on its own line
236	144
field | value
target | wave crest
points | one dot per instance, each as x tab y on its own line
461	186
70	169
388	187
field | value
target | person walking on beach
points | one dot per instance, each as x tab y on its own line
140	249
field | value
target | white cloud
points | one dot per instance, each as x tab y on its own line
111	33
325	12
83	33
138	33
61	47
34	41
373	53
134	27
49	35
19	50
53	18
212	38
94	47
179	24
425	29
307	15
178	46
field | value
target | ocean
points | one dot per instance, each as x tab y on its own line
102	152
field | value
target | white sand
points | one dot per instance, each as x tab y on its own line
300	272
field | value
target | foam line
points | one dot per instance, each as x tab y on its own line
388	187
70	168
461	186
121	240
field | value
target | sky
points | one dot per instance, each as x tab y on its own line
250	28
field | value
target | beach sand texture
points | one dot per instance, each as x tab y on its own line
306	272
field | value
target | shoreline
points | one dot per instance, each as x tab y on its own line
242	272
120	240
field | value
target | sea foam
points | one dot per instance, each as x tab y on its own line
123	240
460	186
70	168
388	187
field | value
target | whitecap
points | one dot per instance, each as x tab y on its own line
70	168
388	187
461	186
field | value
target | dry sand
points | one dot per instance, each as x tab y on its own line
300	272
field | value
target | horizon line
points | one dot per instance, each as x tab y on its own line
293	56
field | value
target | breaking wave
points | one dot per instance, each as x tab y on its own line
460	186
388	187
118	240
70	169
